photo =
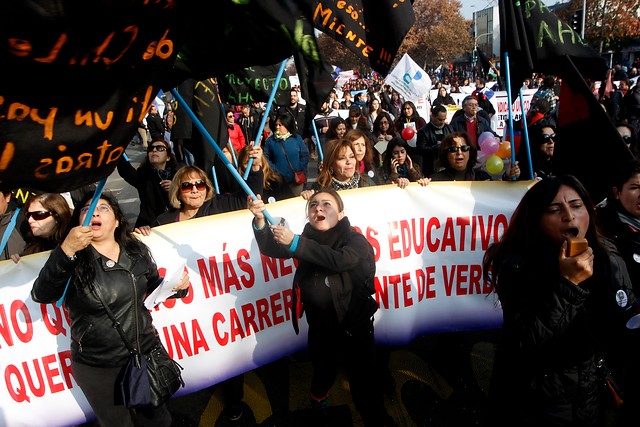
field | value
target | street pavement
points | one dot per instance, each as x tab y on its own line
439	380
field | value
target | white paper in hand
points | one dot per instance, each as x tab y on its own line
165	290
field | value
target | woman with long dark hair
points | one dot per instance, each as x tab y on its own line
564	313
105	262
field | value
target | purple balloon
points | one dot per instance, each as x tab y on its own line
484	136
490	146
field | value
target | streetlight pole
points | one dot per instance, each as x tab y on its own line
584	14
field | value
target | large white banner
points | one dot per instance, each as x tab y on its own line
429	243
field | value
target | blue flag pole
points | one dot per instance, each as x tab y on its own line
526	136
85	223
265	117
318	145
511	135
215	179
196	121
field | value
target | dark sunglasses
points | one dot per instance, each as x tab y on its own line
547	137
626	139
160	148
39	215
200	185
454	149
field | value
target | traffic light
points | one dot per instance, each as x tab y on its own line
576	21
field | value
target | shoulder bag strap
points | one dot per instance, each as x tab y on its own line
116	324
286	157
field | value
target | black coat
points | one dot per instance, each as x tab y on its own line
554	332
334	280
155	124
154	200
428	145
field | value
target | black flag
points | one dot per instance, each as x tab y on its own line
372	29
587	138
536	40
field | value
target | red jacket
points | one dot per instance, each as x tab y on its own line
237	137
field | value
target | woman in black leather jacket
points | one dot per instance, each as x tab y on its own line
104	257
333	285
562	313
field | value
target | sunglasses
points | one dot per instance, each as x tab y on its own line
39	215
100	208
547	137
160	148
454	149
626	139
200	185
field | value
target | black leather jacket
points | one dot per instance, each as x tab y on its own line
123	286
553	335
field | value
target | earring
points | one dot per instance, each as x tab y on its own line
331	171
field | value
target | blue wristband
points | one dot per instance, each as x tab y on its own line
294	243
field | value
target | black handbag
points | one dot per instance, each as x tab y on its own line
147	379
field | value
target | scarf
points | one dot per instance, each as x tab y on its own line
403	171
283	137
629	220
346	185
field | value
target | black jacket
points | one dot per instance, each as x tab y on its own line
428	145
155	124
334	280
154	200
554	332
123	286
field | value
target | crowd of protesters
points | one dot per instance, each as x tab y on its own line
550	338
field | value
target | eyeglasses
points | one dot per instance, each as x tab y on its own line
159	148
39	215
100	208
229	116
454	149
546	137
187	186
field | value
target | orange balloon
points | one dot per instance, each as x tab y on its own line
505	150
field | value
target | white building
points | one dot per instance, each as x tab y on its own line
486	25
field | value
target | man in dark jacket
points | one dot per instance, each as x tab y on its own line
155	124
471	121
430	136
